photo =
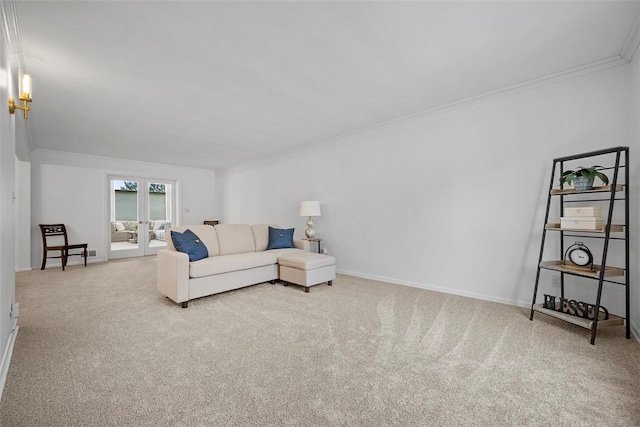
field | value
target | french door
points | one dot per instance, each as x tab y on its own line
141	212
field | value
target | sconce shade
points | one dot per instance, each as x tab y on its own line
310	208
26	89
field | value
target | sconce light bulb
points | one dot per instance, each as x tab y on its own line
26	91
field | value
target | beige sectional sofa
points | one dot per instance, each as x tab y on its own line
238	257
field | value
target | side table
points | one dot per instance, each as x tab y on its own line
315	240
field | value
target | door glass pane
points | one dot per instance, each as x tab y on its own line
159	212
124	215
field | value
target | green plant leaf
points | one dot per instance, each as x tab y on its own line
602	177
590	173
567	178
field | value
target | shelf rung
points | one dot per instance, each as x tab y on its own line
615	228
585	323
558	265
593	200
597	189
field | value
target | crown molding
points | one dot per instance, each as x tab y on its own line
591	67
90	160
631	43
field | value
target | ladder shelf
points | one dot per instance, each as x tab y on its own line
614	193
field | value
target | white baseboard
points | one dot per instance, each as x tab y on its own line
23	269
635	330
58	264
526	304
6	358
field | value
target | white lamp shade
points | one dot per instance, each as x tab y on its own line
310	208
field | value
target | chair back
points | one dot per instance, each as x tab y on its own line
51	230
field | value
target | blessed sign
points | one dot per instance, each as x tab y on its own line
574	308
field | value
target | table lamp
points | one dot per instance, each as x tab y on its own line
310	209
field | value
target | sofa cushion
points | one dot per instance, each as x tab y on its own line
261	235
189	243
234	238
227	263
306	261
280	238
284	252
206	233
120	226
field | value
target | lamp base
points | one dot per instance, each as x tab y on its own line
310	232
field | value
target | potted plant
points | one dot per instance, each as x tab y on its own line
583	178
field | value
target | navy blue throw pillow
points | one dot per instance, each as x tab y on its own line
280	238
189	243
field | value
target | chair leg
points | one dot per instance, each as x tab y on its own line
85	256
44	259
63	255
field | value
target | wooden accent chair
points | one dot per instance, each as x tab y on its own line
54	231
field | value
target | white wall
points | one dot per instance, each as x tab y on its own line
451	201
22	207
7	190
72	189
635	189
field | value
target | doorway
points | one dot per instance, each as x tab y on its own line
141	212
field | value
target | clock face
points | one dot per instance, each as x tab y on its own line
580	256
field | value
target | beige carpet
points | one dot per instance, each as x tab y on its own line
98	346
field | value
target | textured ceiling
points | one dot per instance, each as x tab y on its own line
211	84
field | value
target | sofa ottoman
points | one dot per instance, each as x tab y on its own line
307	269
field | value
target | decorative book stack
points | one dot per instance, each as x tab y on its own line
584	218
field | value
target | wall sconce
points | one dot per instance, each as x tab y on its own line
25	89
